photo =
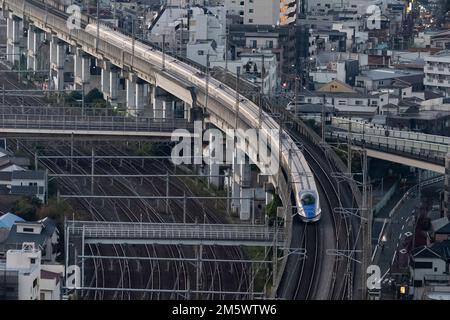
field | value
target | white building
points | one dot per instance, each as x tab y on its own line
250	64
437	72
25	278
430	264
23	270
194	32
43	233
207	35
261	12
25	182
323	7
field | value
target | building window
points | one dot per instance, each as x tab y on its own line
28	230
200	52
250	20
423	265
32	260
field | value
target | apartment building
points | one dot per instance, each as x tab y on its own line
437	72
269	12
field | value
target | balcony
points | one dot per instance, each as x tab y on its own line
437	82
433	69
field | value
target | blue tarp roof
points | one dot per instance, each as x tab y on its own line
7	220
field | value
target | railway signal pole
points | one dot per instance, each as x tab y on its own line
366	212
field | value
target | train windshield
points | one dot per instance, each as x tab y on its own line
308	200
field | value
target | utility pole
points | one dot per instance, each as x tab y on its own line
295	94
207	83
263	71
323	118
226	47
164	52
82	97
199	269
92	170
98	25
132	44
367	225
238	71
349	147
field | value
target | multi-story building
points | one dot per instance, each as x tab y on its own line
43	233
289	44
437	72
261	12
288	11
268	12
380	78
22	274
251	68
23	277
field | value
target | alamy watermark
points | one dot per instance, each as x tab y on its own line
229	147
373	282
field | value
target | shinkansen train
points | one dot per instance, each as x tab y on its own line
303	184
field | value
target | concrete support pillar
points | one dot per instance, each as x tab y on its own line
159	105
113	83
141	96
85	68
53	51
105	78
57	60
14	32
269	198
213	168
246	204
77	67
30	49
241	188
60	55
168	108
187	111
246	175
246	191
34	40
131	94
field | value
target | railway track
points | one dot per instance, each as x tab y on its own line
216	276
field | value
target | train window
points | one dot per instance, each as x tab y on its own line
308	200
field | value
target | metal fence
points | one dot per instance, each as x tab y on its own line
174	231
95	123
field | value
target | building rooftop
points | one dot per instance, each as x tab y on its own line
45	274
384	74
338	94
29	175
443	53
439	249
15	238
8	219
439	223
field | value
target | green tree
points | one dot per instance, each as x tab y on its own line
26	208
